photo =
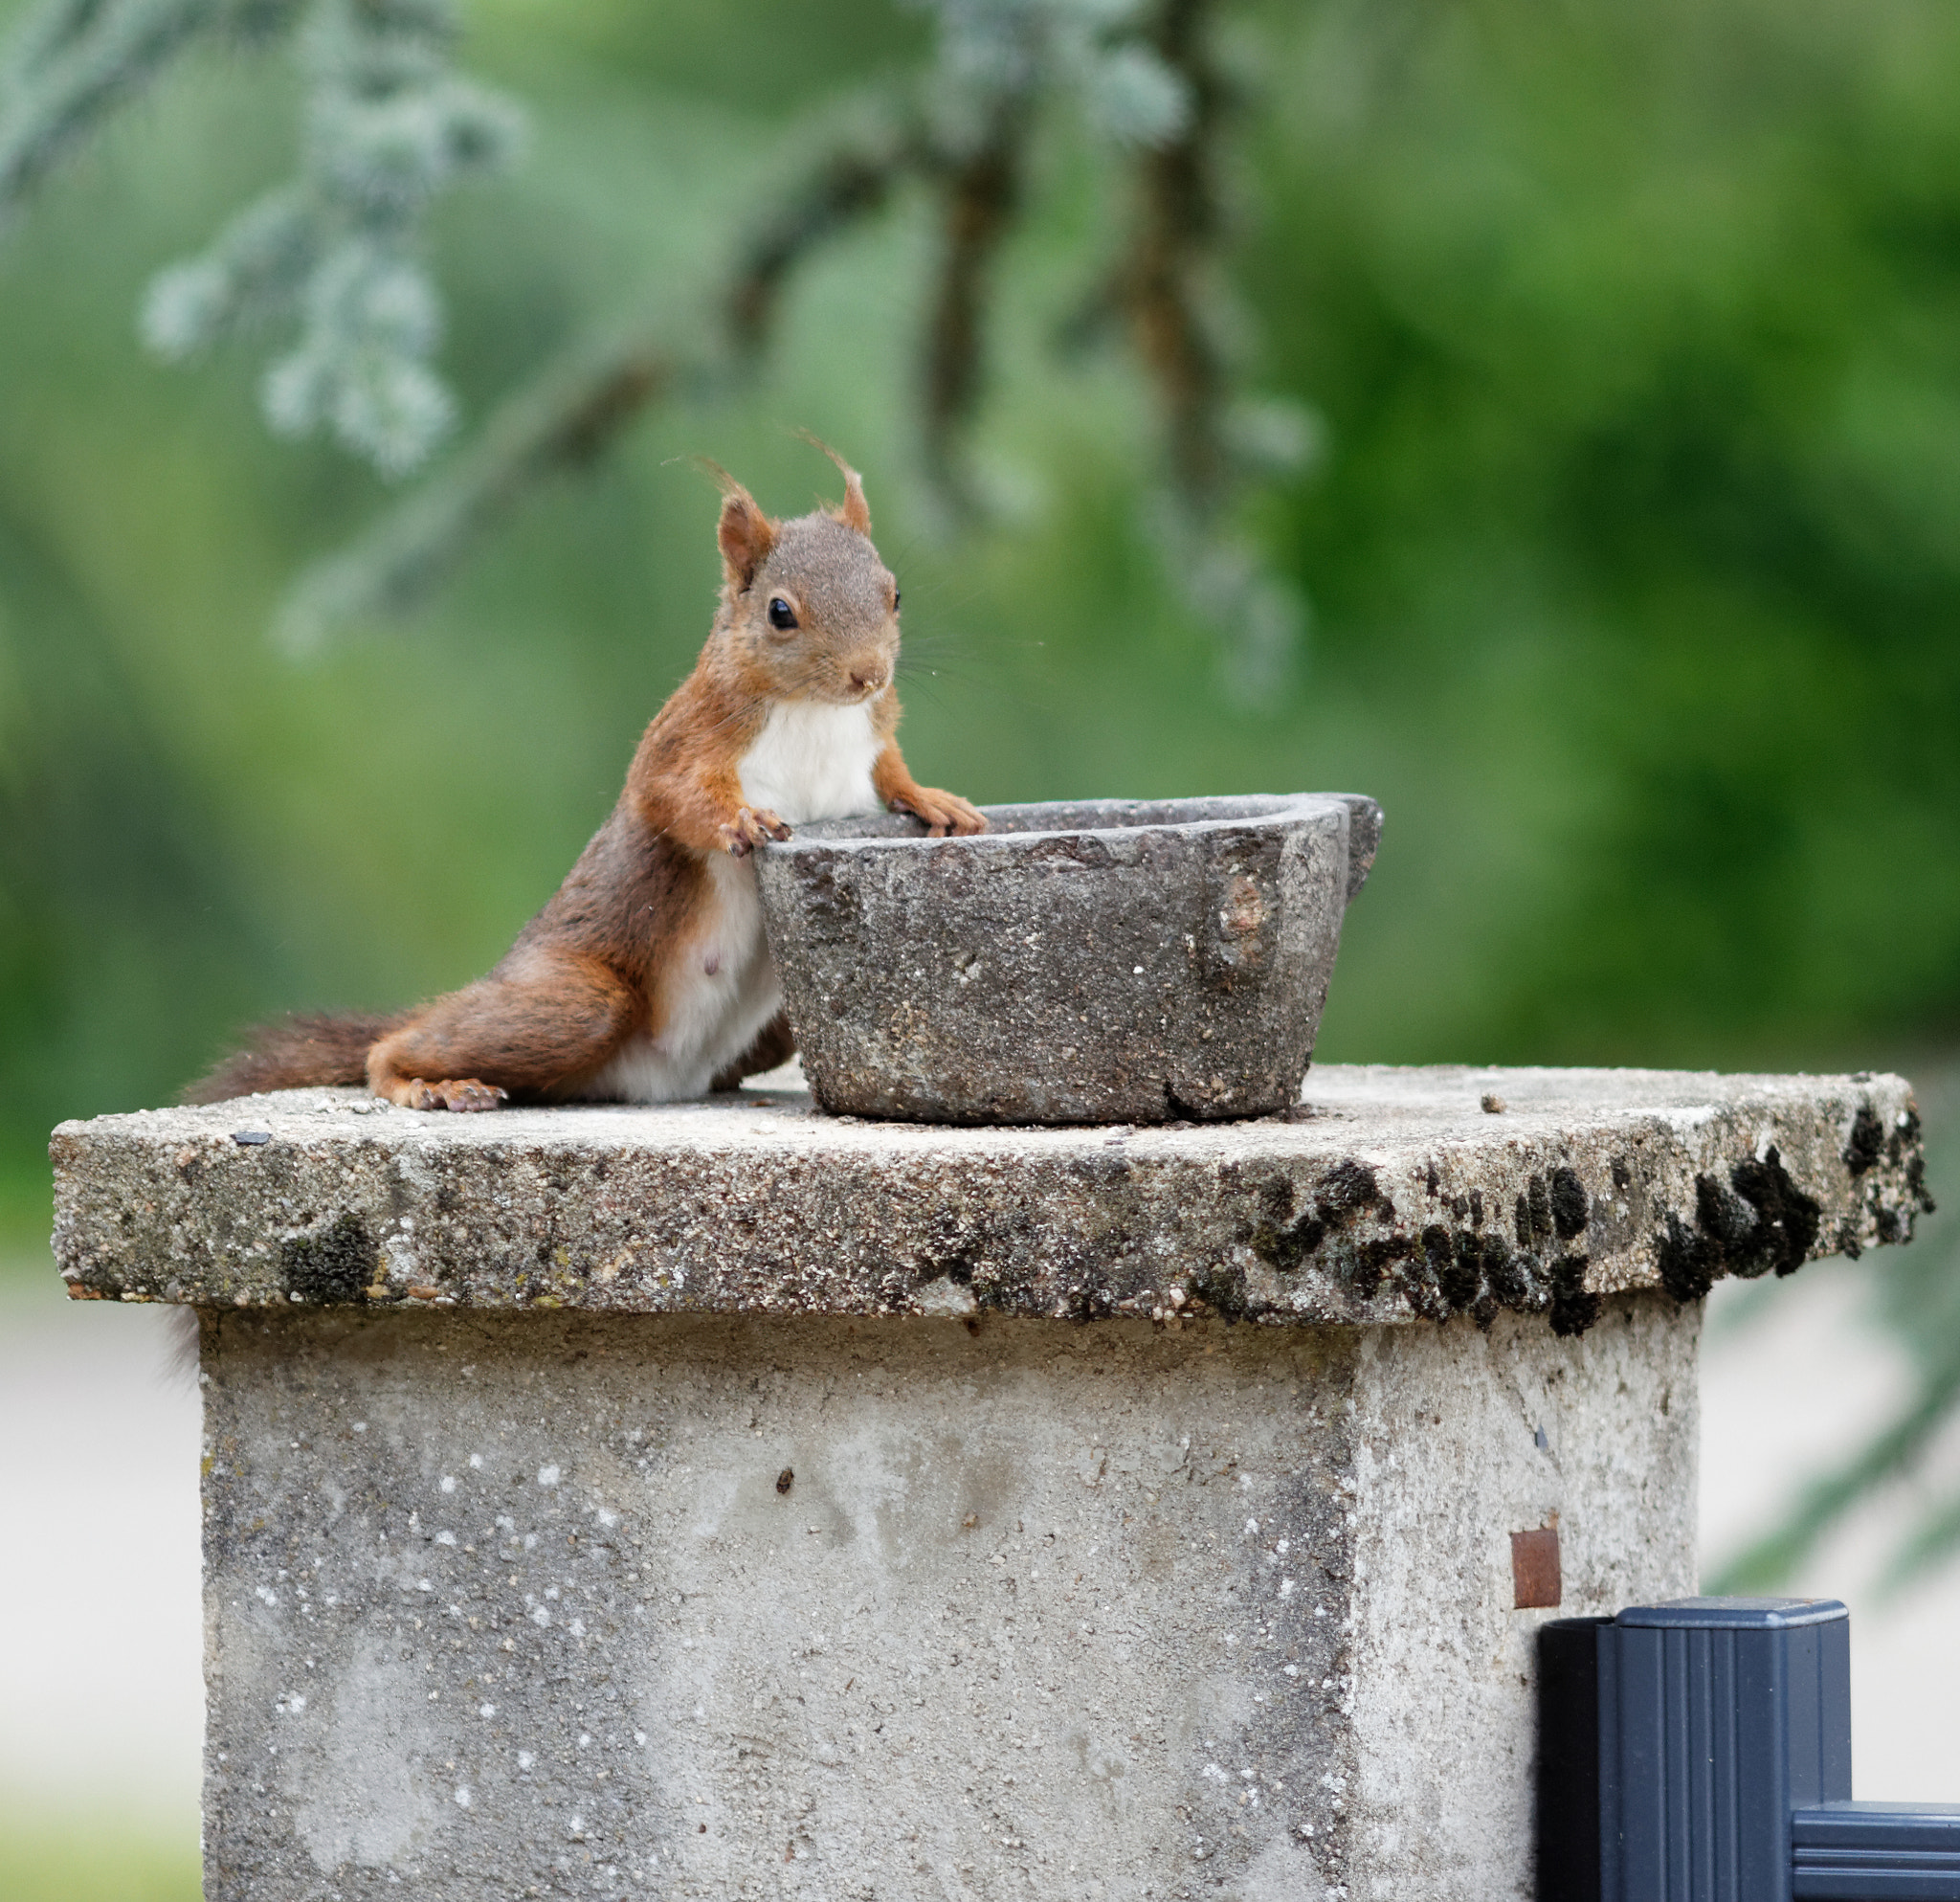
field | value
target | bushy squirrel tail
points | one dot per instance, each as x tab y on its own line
329	1048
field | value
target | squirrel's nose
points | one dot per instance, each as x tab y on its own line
864	680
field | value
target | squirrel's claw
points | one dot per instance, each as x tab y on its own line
455	1093
750	826
943	812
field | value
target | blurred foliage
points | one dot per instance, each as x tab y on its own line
53	1859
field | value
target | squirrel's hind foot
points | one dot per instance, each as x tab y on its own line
460	1093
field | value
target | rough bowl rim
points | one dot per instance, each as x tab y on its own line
1285	808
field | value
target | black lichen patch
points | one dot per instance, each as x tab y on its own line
1465	1271
332	1264
1219	1288
1532	1215
1475	1272
1689	1261
1789	1218
1731	1223
1285	1250
1552	1205
1425	1282
1375	1258
1350	1185
1459	1265
1762	1222
1867	1143
1538	1193
1284	1241
1510	1279
1279	1239
1574	1310
1571	1211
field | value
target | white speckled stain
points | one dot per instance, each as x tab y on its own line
356	1800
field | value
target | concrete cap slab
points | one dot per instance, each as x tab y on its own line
1387	1194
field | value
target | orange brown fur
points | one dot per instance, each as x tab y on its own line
609	960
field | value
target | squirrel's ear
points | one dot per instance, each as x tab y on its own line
745	535
855	512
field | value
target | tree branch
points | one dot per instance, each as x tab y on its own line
71	63
850	183
982	194
572	413
1181	227
563	419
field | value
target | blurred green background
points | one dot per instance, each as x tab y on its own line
1633	546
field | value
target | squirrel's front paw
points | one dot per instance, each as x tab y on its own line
941	812
750	826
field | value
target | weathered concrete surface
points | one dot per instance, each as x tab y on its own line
705	1606
1116	960
1387	1196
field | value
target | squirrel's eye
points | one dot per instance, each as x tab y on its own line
895	599
781	613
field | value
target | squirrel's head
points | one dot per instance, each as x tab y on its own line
808	608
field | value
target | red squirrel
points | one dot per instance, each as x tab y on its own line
647	977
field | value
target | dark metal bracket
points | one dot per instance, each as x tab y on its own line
1700	1751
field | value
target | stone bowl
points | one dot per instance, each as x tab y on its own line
1117	961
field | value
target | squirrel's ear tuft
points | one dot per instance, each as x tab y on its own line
855	512
745	533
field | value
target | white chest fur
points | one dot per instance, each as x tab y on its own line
813	762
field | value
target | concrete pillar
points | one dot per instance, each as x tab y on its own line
727	1501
